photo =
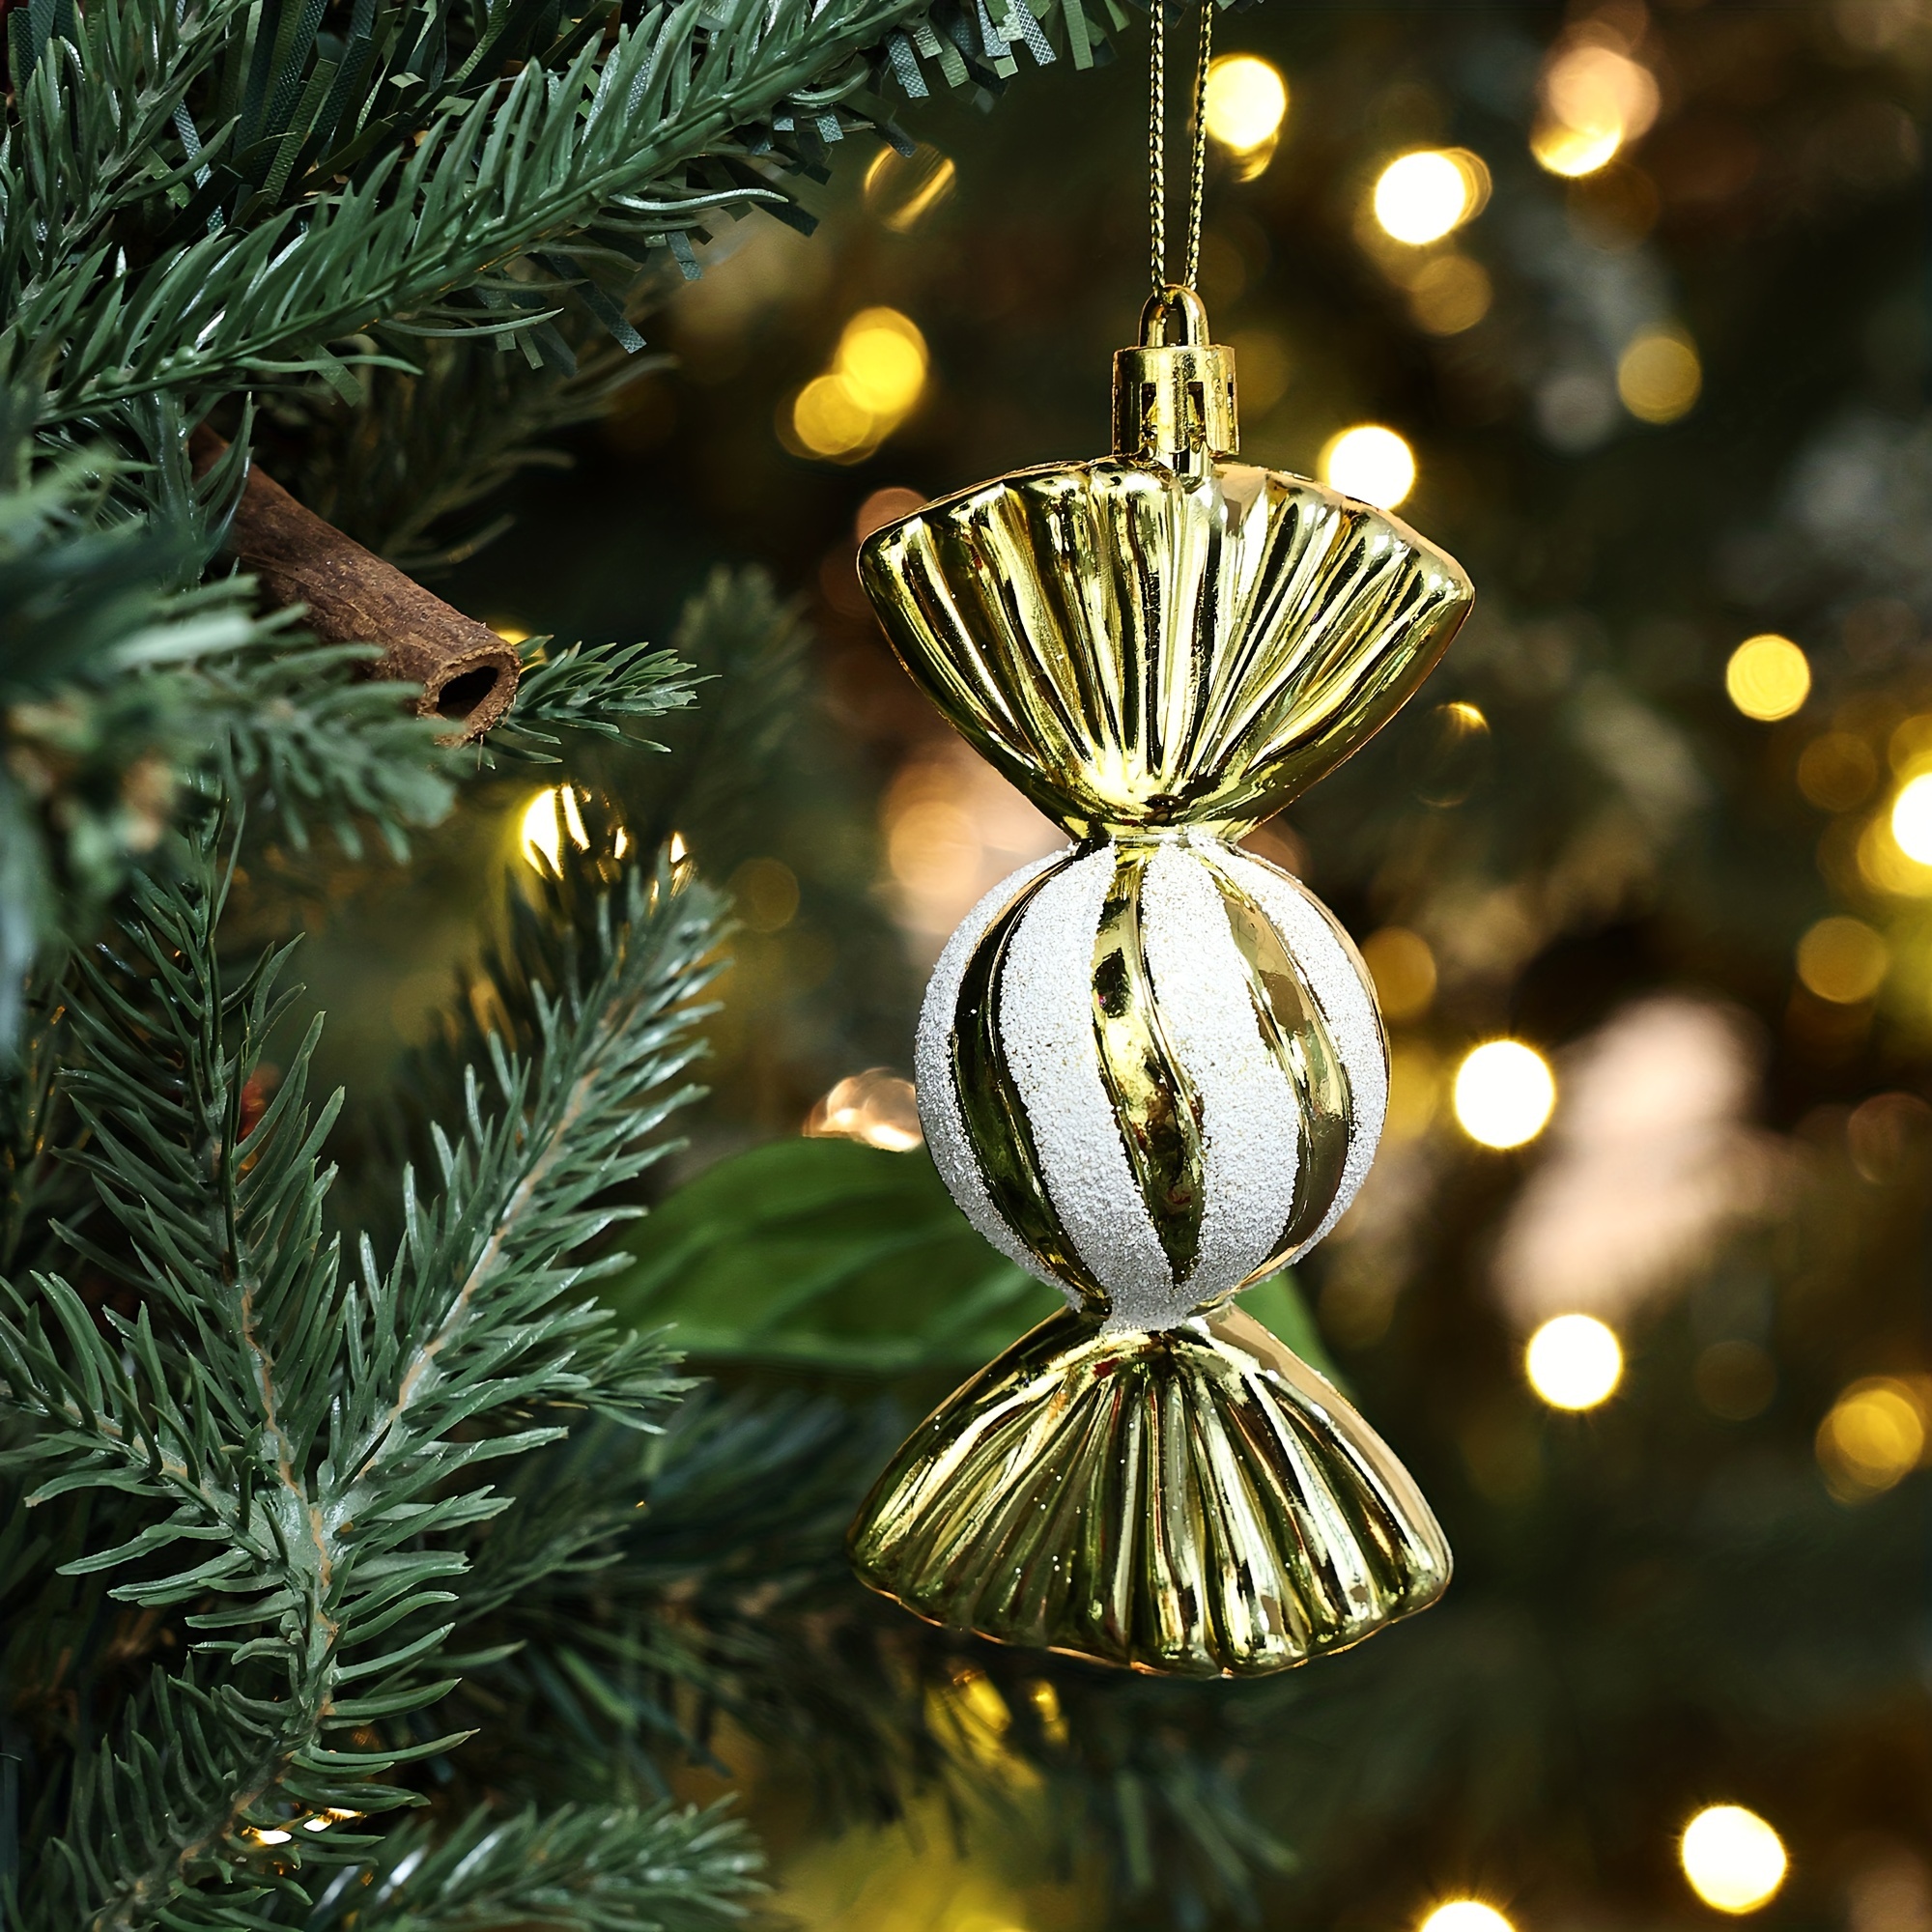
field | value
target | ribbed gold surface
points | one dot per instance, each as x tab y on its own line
1196	1501
1134	647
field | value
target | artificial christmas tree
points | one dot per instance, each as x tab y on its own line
1661	378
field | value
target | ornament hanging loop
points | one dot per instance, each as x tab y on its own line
1190	271
1174	395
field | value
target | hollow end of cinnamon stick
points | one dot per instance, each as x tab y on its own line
468	673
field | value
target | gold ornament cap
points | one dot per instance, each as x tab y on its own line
1174	395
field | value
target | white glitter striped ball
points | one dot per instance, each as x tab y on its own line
1152	1072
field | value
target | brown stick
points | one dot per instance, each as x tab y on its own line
467	672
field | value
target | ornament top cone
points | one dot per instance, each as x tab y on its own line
1166	636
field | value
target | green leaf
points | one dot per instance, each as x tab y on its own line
825	1254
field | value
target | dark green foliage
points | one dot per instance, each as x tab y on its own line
420	447
306	1440
119	691
406	174
354	209
587	687
588	1870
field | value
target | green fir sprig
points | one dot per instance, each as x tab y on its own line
305	1439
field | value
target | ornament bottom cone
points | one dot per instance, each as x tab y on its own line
1193	1502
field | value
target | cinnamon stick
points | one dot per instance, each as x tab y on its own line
467	672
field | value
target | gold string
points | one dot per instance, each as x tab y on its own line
1157	144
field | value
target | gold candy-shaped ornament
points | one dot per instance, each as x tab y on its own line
1150	1067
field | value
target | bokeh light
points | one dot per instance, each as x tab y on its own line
1573	151
901	189
1370	462
765	895
1465	1914
1912	819
1574	1361
1423	196
1594	99
1885	868
1734	1861
1504	1094
878	375
1843	960
882	359
1872	1439
548	819
1403	967
1449	294
829	420
1248	102
1659	376
1837	771
876	1107
1768	678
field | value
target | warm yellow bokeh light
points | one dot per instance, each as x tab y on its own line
1768	678
878	375
827	419
1421	197
1504	1094
1403	967
1594	99
1734	1861
1842	960
1659	376
881	359
1370	462
1594	87
1873	1438
1837	771
1449	294
1884	867
1465	1914
1574	1361
1574	152
550	816
1912	819
1248	102
877	1108
901	189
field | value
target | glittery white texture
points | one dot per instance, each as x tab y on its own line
1250	1111
1334	974
933	1080
1047	1030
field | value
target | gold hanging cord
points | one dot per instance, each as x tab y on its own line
1157	145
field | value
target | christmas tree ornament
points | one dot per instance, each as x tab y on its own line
1150	1067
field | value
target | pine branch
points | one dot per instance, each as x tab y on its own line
593	688
530	161
575	1869
317	1436
120	699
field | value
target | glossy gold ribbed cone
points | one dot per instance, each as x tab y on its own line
1196	1501
1133	646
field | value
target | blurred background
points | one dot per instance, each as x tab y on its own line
1627	308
